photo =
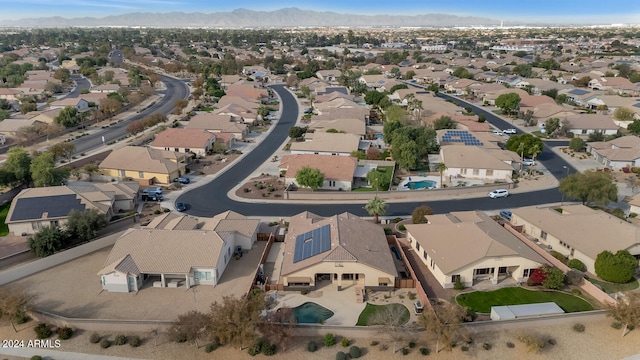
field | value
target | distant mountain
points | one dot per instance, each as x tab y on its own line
244	18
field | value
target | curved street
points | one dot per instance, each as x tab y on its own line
211	199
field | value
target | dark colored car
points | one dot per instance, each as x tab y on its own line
182	180
180	207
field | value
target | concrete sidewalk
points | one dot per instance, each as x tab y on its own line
25	352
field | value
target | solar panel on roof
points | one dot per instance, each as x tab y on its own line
578	92
55	207
312	243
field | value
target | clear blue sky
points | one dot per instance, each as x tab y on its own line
573	11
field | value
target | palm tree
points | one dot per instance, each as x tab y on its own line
375	207
441	167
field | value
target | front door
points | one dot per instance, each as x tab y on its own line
132	283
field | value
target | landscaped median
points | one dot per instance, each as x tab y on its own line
482	301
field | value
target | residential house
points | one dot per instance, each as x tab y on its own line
34	208
338	171
459	86
470	247
11	95
634	204
346	125
617	153
324	143
247	90
617	84
474	162
105	88
577	231
220	124
330	76
11	127
176	251
247	115
144	165
80	104
585	124
184	140
340	251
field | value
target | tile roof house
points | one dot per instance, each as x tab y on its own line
184	140
145	165
175	250
617	153
338	171
247	90
342	250
11	127
585	124
323	143
354	126
217	123
34	208
79	103
472	247
578	231
474	162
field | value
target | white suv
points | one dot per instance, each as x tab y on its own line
498	193
510	131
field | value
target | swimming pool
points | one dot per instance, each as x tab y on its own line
311	313
422	184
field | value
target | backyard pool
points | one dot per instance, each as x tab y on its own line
422	184
311	313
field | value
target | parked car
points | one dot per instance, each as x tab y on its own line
497	132
270	117
152	190
506	214
528	162
182	180
499	193
152	197
510	131
180	207
308	111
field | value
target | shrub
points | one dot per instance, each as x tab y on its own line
375	343
269	349
383	347
578	327
411	295
486	346
576	264
552	341
135	341
329	340
344	342
387	231
157	212
341	356
401	227
618	268
304	292
258	347
464	348
616	325
412	344
558	255
42	331
94	338
105	343
425	351
405	351
533	342
20	317
36	357
120	340
312	346
510	345
355	352
576	292
418	216
65	333
458	285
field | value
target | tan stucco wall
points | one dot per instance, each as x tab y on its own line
371	275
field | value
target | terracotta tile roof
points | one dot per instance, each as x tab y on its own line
333	167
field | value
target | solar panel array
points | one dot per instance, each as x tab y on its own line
637	105
54	206
578	92
462	136
312	243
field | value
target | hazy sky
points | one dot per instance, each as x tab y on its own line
556	11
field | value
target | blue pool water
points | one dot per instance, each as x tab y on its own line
311	313
422	184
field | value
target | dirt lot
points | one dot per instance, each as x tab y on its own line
211	164
265	186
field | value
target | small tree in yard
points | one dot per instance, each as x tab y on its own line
626	310
441	168
84	225
576	144
618	268
234	320
537	277
47	241
418	216
191	326
375	207
278	327
310	177
554	278
391	321
444	322
62	149
590	186
14	304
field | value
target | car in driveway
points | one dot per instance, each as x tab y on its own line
496	132
510	131
152	191
528	162
182	180
180	207
498	193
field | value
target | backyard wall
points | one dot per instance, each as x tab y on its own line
420	293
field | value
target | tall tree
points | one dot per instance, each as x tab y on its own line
47	241
234	320
85	225
67	117
524	144
590	187
419	214
444	322
62	149
191	326
44	172
626	310
508	102
310	177
441	168
376	206
18	163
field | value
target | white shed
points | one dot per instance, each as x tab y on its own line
510	312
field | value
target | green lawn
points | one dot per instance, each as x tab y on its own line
370	310
539	134
482	301
4	210
611	288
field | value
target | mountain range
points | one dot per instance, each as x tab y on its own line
245	18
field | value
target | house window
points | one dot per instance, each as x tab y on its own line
527	272
332	183
417	246
484	271
543	235
490	172
455	278
476	171
347	277
584	131
123	173
54	223
433	264
141	174
207	275
166	148
424	255
225	258
187	150
176	149
463	171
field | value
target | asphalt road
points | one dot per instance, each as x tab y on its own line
81	84
211	199
175	89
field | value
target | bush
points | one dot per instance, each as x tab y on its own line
425	351
464	348
20	317
405	351
458	285
616	325
269	349
578	327
258	347
558	255
341	356
120	340
65	333
135	341
486	346
510	345
329	340
312	346
157	212
94	338
36	357
576	264
412	344
383	347
375	343
355	352
618	268
105	343
304	292
401	227
387	231
344	342
42	331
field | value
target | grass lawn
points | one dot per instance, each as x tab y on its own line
370	310
4	210
482	301
207	108
539	134
606	286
